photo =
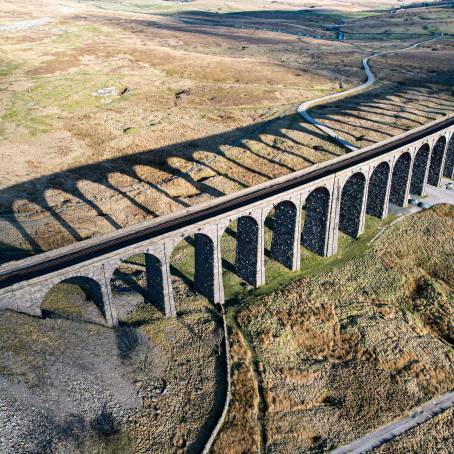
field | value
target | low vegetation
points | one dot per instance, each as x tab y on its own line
356	346
136	388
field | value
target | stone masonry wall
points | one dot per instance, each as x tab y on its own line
436	162
376	198
315	222
448	171
204	266
247	249
399	180
155	281
420	170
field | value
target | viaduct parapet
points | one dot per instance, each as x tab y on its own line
310	208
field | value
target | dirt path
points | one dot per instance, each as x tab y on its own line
228	366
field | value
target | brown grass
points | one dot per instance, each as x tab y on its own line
350	349
240	433
51	123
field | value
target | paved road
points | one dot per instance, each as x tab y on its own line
371	79
386	433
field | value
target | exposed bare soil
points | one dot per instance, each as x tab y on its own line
69	385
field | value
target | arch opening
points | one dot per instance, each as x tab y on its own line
138	280
315	226
419	170
78	297
448	170
247	246
436	162
351	207
192	269
239	250
376	195
280	233
399	181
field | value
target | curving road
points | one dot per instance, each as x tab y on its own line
386	433
303	109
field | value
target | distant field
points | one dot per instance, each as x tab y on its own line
344	7
193	89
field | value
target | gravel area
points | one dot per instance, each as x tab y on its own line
60	399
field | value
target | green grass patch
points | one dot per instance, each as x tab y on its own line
65	299
37	109
8	68
276	274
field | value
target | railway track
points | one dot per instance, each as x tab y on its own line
15	272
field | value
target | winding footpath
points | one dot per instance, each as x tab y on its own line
228	395
303	109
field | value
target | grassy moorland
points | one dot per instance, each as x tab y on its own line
202	102
350	348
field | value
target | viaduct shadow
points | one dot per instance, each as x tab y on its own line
68	182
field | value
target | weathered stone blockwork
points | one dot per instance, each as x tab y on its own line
420	169
448	171
335	201
247	249
204	266
316	221
437	159
351	207
399	181
378	191
155	281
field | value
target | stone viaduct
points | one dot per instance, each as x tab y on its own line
310	207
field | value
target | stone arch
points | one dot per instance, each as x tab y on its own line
419	171
351	207
282	220
204	278
436	162
193	262
314	236
399	181
376	194
138	279
448	170
78	297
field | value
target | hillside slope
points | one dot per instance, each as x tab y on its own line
356	347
